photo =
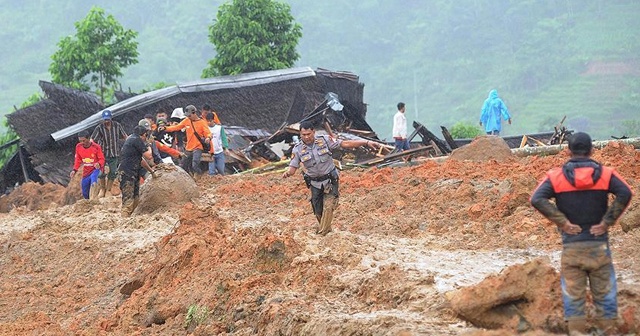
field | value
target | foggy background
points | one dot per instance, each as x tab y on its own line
547	59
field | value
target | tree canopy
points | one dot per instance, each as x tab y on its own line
253	35
99	51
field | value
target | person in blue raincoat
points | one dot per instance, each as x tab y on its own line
493	110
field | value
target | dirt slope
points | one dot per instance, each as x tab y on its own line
243	260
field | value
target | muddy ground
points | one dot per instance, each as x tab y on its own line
412	248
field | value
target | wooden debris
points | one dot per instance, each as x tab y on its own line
448	138
560	133
394	156
268	168
555	149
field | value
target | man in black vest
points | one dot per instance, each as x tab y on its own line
582	213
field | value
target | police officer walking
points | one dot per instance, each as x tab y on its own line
582	213
321	175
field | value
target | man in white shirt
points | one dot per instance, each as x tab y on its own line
400	129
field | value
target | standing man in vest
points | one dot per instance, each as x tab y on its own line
321	175
219	145
400	129
88	155
582	213
197	133
108	135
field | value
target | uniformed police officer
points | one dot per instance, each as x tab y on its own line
321	175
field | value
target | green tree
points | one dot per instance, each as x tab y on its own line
464	130
253	35
99	51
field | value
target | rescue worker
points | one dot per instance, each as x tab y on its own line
583	216
135	154
321	175
89	155
198	133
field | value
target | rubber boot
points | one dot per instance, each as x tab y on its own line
328	206
94	191
136	201
127	208
109	187
577	327
608	326
102	188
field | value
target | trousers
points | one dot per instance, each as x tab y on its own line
324	201
588	261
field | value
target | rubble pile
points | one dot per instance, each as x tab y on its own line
425	249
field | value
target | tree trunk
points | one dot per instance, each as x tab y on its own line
555	149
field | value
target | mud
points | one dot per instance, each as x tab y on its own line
244	255
523	297
482	148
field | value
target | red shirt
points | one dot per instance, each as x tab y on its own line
87	157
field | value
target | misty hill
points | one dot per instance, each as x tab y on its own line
546	58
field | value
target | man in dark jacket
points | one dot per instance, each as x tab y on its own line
582	213
135	154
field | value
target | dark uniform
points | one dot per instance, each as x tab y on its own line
130	172
581	189
321	177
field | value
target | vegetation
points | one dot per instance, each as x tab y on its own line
547	58
464	130
100	50
253	35
630	128
196	315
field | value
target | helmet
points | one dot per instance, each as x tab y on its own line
178	113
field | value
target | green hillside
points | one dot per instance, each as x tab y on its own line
440	57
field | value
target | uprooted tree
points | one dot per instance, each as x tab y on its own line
98	52
253	35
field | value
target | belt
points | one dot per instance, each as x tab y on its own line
322	177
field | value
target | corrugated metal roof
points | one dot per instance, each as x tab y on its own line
204	85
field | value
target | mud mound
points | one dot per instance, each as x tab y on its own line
34	196
173	189
631	219
205	250
483	148
521	298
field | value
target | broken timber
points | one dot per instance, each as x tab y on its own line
427	137
394	156
555	149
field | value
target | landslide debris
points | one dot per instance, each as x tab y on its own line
245	253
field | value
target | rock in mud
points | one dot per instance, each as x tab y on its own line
523	297
171	190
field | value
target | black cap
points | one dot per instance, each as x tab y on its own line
580	143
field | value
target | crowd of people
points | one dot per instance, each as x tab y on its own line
182	139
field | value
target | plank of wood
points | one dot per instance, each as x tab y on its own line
538	142
394	155
523	142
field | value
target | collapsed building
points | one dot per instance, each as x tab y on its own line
254	106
